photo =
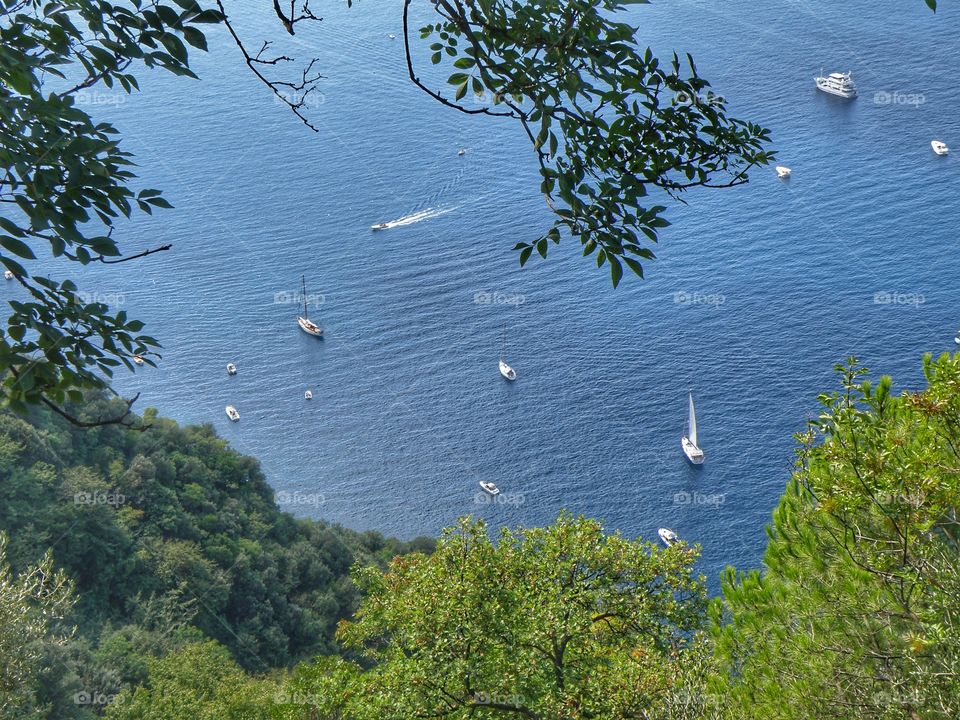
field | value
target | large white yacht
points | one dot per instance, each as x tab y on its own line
839	84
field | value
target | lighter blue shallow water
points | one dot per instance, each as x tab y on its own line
409	411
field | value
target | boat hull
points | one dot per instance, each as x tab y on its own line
508	372
694	454
310	328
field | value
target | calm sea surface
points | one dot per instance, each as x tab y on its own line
756	292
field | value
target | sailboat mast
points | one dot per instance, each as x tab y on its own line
303	293
693	422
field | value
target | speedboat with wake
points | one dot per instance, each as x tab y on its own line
380	226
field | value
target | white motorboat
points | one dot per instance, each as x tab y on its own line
839	84
138	359
307	325
668	536
392	36
689	441
231	369
957	338
939	147
380	226
462	151
232	413
490	487
8	274
307	395
783	172
508	372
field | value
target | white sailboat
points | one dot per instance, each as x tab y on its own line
689	441
307	325
508	372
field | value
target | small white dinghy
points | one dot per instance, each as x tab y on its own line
490	488
138	360
783	171
508	372
8	274
462	151
307	395
231	369
232	413
668	536
939	147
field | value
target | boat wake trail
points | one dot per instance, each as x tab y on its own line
416	217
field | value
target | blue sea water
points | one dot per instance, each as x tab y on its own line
756	293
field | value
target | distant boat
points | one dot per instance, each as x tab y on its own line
138	360
957	338
839	84
231	369
490	488
783	172
8	274
668	536
392	36
307	395
939	147
508	372
309	327
232	413
462	151
380	226
689	441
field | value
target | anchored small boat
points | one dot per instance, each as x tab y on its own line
138	359
689	441
462	151
8	274
839	84
939	147
668	536
231	369
232	413
783	172
307	395
490	488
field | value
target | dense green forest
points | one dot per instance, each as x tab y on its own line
154	577
168	537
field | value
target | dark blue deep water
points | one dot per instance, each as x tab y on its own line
409	412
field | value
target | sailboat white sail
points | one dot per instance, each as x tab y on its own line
689	441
